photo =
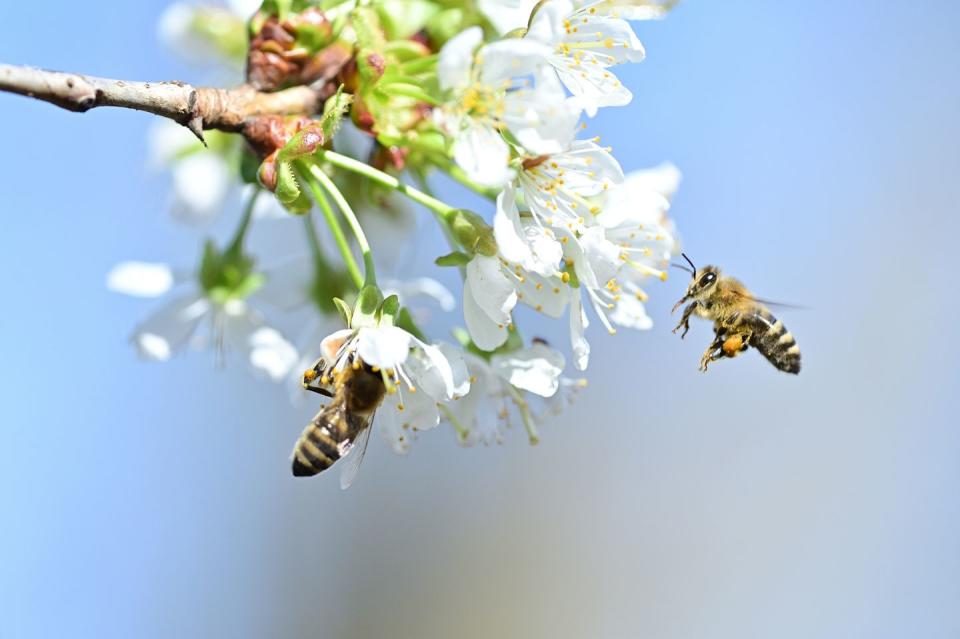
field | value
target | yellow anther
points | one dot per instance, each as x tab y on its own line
399	406
566	279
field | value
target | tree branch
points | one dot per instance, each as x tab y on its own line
195	108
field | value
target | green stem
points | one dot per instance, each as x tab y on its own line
413	67
525	415
236	243
336	231
460	176
445	211
462	431
319	259
370	274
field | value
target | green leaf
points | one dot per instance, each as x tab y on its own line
473	233
457	258
403	18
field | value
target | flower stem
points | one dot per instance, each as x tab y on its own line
336	231
236	243
460	176
319	259
370	274
463	433
443	210
524	407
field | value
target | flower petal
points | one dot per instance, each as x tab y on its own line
200	183
456	59
483	154
270	353
536	369
140	279
493	291
169	328
505	59
431	373
578	324
630	313
485	332
384	346
332	343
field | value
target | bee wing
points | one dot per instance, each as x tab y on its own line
350	463
767	302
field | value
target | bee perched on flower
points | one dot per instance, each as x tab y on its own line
348	108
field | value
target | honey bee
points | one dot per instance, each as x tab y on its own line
740	320
343	426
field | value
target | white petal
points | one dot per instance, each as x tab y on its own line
431	373
244	8
287	286
506	15
200	183
630	313
493	291
485	332
397	425
545	295
509	58
483	154
456	59
421	287
540	117
166	140
332	343
384	346
593	86
140	279
169	328
578	324
601	258
458	366
270	353
536	369
547	25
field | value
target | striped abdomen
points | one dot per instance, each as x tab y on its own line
775	342
325	439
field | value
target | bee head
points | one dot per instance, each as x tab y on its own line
702	281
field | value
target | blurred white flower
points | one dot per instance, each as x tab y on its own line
585	43
484	97
506	15
204	180
418	377
233	323
498	385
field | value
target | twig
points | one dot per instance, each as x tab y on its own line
197	108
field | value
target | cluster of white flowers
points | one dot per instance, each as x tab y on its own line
572	232
585	235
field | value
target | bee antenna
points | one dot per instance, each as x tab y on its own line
689	262
682	267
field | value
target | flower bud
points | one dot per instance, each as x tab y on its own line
473	233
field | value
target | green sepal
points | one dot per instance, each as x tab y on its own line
444	25
366	26
388	310
249	167
365	310
456	258
288	190
514	343
343	309
403	18
473	233
333	111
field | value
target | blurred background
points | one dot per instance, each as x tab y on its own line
820	148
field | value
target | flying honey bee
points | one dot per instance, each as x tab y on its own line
740	320
343	426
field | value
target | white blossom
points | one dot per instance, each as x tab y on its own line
585	42
233	323
500	385
501	85
418	376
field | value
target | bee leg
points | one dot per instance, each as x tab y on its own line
685	320
713	353
326	392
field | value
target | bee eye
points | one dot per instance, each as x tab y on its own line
708	279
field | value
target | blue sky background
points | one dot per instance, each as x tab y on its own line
820	147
